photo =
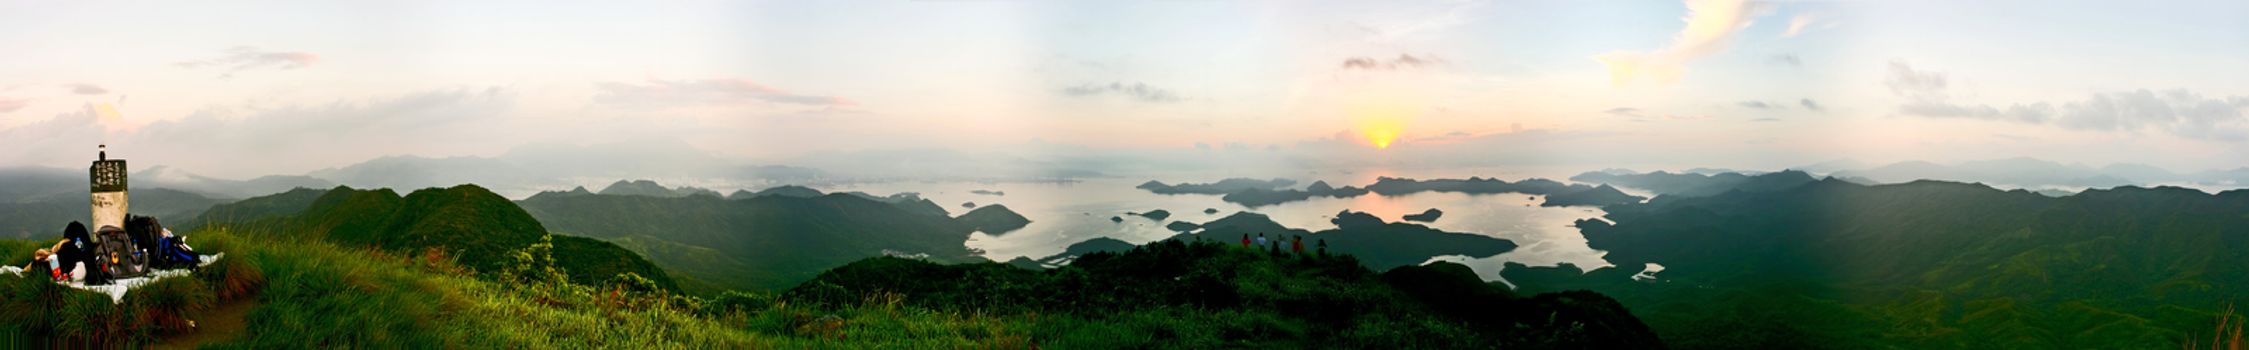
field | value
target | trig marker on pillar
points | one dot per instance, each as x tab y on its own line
108	179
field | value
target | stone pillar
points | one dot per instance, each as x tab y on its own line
108	180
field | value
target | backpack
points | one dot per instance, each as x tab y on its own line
115	242
145	231
170	255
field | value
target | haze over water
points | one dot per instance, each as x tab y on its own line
1062	214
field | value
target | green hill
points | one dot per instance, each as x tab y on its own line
1925	264
778	240
467	223
259	208
1375	243
593	261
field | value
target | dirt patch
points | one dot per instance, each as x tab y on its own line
218	325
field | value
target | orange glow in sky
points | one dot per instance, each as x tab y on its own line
1380	121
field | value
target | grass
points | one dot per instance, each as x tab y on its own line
312	294
2227	336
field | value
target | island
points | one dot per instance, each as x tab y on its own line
1425	215
994	219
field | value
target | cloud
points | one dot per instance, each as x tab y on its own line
291	138
1403	61
242	58
1786	60
1635	115
1711	26
1809	104
1623	111
1767	119
1926	96
1436	20
12	104
1797	24
1904	80
63	139
2033	113
705	92
1449	137
2179	111
1136	90
220	139
86	89
1757	105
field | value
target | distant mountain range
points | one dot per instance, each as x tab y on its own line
2031	172
1257	193
35	203
652	189
1698	185
2046	177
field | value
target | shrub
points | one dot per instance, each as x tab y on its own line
168	303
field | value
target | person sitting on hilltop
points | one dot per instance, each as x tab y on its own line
42	264
73	251
1297	246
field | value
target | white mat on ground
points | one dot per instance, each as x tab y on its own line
117	287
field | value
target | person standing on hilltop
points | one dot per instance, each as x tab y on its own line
1245	240
1260	239
1323	247
1297	246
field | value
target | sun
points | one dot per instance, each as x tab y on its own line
1380	121
1381	133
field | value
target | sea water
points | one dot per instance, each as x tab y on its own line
1064	213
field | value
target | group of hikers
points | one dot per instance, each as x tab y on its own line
97	257
1296	245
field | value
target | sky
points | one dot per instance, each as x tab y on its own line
242	89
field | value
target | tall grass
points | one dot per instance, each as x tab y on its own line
323	295
2227	336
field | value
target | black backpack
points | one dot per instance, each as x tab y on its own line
116	252
145	231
